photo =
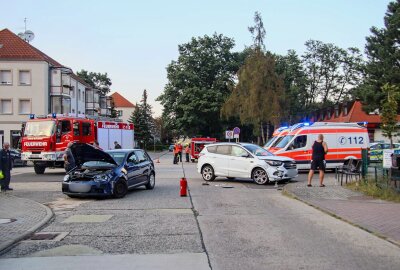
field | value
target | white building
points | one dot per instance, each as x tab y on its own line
31	82
123	106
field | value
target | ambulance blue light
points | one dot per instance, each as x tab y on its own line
306	124
31	116
54	115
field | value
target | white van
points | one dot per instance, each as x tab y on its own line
344	140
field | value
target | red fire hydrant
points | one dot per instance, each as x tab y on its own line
183	187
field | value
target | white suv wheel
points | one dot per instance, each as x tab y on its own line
207	172
260	176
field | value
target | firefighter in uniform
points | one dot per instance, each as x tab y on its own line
5	166
187	151
176	153
180	149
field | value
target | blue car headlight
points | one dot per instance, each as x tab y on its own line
274	163
103	177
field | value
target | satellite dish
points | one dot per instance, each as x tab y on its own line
29	35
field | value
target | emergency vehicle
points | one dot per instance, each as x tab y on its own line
197	144
344	140
278	134
45	138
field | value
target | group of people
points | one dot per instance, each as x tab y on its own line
178	149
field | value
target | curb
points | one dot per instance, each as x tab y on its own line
49	215
332	214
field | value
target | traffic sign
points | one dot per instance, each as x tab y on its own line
236	130
229	134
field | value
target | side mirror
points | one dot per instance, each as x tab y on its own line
130	164
245	155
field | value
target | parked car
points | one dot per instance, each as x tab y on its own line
244	160
171	148
16	158
110	173
376	150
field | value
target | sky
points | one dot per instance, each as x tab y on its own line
134	41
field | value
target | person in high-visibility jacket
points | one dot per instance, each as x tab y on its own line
180	149
187	151
176	153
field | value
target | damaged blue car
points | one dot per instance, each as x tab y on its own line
107	173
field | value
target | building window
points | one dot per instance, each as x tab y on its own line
120	113
5	106
60	105
345	109
5	77
24	77
25	106
72	91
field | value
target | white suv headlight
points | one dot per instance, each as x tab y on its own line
274	163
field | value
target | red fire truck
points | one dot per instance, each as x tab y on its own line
44	139
197	144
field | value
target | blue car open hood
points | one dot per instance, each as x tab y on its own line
83	152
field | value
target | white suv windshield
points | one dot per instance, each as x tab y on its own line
257	150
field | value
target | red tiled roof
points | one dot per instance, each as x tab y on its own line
14	48
79	79
120	101
355	115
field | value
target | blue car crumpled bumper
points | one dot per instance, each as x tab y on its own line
87	188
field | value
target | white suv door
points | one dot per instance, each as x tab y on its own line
239	164
221	160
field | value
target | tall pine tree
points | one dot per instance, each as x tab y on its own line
142	118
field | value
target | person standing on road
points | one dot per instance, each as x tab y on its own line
319	149
180	149
187	151
117	145
176	153
69	160
5	166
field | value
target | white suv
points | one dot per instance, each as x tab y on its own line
244	160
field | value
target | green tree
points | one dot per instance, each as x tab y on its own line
290	68
389	112
332	73
97	80
142	118
383	51
198	84
258	96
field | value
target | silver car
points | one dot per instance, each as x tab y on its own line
244	160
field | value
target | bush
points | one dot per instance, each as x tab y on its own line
379	189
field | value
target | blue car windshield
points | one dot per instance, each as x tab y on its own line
117	156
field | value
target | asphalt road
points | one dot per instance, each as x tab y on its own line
234	224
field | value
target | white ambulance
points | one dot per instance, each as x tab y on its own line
344	140
278	134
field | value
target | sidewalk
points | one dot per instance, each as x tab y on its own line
26	217
376	216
